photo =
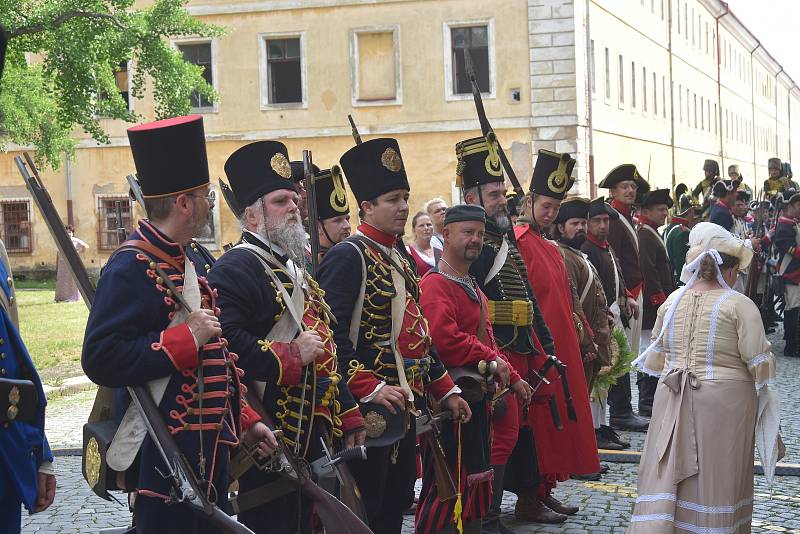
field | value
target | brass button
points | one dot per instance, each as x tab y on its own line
10	281
2	355
2	340
3	371
159	280
152	265
207	266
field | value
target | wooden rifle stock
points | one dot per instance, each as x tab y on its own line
445	487
185	487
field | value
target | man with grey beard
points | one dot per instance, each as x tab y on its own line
519	329
275	318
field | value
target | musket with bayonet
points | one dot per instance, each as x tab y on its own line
185	488
354	130
486	128
311	206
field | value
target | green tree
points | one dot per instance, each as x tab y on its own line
61	63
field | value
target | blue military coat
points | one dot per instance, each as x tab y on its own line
23	446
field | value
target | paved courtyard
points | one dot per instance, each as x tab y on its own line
605	505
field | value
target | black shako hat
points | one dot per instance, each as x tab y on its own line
374	167
551	174
573	208
656	197
711	166
621	173
331	194
478	162
170	156
464	213
257	169
298	175
599	206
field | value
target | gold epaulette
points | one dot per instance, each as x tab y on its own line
511	312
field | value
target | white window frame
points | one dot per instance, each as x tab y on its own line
447	38
263	70
398	74
175	43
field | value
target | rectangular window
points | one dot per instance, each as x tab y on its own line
715	119
653	7
714	44
688	109
702	115
108	224
678	7
694	108
686	21
706	38
664	97
476	40
708	114
692	26
633	84
284	71
655	95
377	66
644	89
608	76
199	54
15	229
621	80
121	81
680	103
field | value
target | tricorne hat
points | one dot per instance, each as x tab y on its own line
170	156
573	207
373	168
257	169
478	162
723	187
599	206
655	197
551	174
706	236
621	173
331	194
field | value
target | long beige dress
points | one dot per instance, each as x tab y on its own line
696	471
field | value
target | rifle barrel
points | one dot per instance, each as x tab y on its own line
311	207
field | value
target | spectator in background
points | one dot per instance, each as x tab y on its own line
66	289
435	209
421	248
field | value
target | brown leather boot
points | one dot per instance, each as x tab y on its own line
559	507
529	508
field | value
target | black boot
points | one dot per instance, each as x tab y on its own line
491	524
647	391
790	318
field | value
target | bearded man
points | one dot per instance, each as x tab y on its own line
523	338
275	318
573	449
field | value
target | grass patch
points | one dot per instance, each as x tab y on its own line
53	333
35	284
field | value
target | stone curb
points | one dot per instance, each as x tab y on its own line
70	386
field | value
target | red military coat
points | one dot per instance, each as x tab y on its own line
572	450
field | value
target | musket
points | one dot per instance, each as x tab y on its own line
311	206
486	128
185	487
354	130
445	487
136	193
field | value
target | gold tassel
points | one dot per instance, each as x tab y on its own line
457	509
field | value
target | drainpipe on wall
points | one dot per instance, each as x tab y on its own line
671	92
68	169
719	87
589	123
753	107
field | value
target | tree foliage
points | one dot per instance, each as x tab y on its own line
61	62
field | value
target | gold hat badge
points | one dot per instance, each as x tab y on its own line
339	195
281	165
558	180
391	160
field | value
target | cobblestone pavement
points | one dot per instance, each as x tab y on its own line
605	505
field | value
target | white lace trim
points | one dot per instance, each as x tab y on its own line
656	497
692	527
671	343
759	359
696	507
653	517
712	333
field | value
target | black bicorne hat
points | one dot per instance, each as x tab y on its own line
170	156
687	203
573	208
478	162
599	206
551	174
743	195
621	173
373	168
257	169
723	187
331	194
298	174
464	213
656	197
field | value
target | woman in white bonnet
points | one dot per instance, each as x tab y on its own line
713	402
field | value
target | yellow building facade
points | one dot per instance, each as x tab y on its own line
605	80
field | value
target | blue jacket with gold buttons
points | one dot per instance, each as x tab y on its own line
23	446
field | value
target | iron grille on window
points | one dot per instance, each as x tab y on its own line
285	80
16	226
476	40
107	223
